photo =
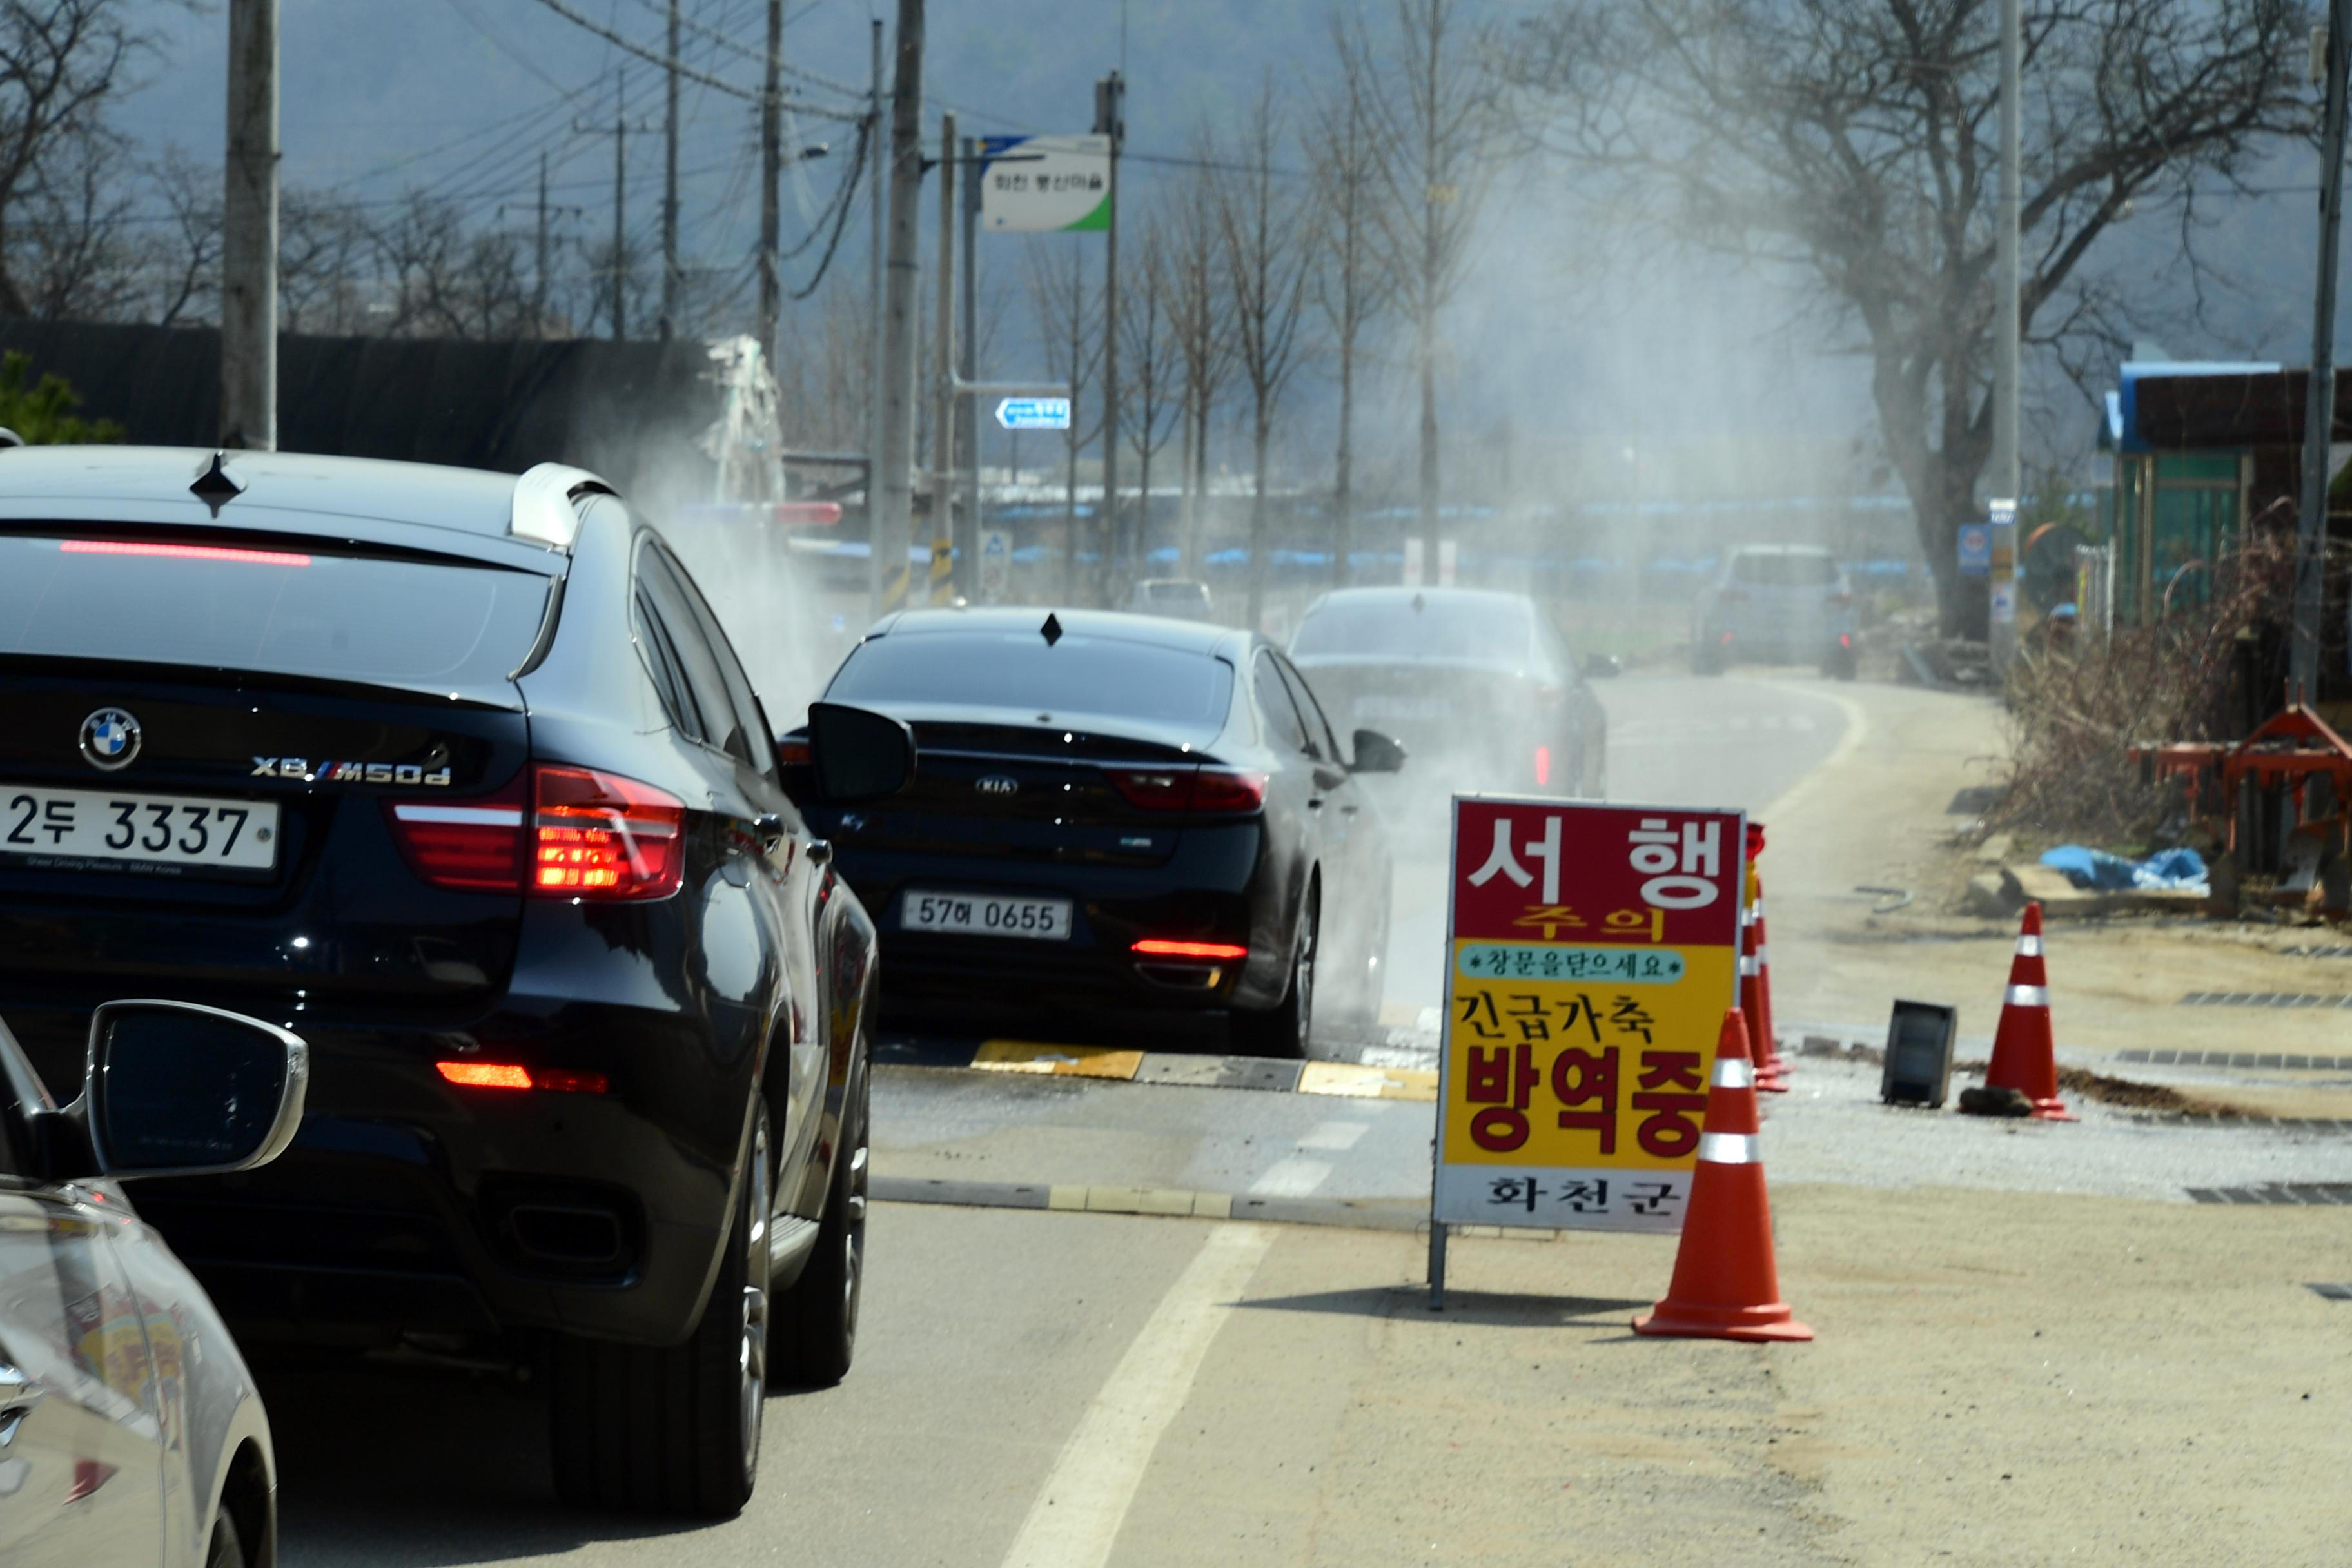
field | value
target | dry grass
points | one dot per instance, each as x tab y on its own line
2076	710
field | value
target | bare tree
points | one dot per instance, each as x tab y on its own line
449	281
1439	116
72	251
60	60
184	254
1267	257
1070	320
1348	153
1852	142
1147	350
1200	320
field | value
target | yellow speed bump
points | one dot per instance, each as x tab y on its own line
1062	1061
1357	1082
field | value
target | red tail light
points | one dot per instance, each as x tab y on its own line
508	1074
476	844
1844	640
1188	788
1726	636
598	836
589	836
1228	789
1543	765
1154	947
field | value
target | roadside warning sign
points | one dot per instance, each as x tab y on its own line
1591	952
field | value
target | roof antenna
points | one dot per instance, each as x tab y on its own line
214	487
1052	630
1417	603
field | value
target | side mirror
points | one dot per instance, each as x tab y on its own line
177	1089
1602	665
1376	753
858	754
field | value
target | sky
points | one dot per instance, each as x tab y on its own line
1648	367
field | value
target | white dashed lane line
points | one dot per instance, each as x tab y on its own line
1294	1177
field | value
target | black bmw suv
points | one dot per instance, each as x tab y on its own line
456	773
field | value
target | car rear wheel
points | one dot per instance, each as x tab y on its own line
813	1331
1283	1029
1839	663
676	1429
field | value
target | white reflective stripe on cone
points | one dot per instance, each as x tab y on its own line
1758	907
2029	947
1728	1148
1763	955
2028	997
1734	1072
1747	965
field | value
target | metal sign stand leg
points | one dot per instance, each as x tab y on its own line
1436	1266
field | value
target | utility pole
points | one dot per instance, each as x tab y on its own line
967	529
876	197
1110	120
771	165
2008	325
669	188
618	273
538	268
248	412
943	390
893	459
2319	405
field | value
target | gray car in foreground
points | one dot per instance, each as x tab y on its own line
131	1431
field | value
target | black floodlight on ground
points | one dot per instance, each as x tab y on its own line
1918	1054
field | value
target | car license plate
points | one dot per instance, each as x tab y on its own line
1400	708
978	914
43	827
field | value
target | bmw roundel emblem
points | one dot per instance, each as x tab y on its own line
110	739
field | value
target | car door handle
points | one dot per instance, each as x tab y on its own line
820	851
1314	803
769	829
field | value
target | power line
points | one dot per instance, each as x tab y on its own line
717	84
759	56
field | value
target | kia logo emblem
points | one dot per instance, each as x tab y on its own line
998	783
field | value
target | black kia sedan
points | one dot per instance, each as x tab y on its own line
456	773
1116	813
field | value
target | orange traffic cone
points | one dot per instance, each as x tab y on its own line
1753	1001
1775	1066
2024	1058
1727	1285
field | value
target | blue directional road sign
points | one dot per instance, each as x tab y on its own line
1034	413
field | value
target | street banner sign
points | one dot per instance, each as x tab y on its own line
1976	549
996	566
1034	412
1591	950
1042	184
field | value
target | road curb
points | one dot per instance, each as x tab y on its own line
1171	1203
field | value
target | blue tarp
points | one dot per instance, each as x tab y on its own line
2167	870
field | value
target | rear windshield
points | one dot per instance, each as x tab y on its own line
1016	669
1487	631
274	611
1805	571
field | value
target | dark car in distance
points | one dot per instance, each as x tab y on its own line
457	773
1480	685
1123	813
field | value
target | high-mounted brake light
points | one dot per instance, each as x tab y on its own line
509	1075
183	552
1543	765
1155	947
585	835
